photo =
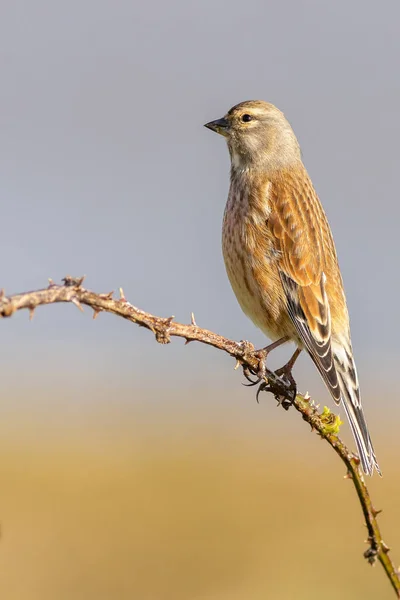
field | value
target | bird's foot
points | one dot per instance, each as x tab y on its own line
285	375
260	370
259	374
261	356
285	389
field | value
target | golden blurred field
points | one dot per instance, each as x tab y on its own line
113	502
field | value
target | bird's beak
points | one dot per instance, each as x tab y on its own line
220	126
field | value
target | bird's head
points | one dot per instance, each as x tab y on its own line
258	135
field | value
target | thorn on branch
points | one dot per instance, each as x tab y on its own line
31	312
51	283
193	320
122	295
107	296
376	511
77	304
312	428
385	547
96	312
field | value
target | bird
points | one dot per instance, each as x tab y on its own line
280	256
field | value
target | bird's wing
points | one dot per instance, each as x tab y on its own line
307	268
299	229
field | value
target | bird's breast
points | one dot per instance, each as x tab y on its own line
251	258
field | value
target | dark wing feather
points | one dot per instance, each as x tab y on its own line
317	342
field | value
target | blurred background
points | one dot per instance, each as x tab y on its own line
134	470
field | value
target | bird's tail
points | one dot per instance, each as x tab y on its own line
350	397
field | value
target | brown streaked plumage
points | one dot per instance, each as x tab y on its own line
280	256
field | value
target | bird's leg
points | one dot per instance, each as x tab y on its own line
287	369
261	355
285	373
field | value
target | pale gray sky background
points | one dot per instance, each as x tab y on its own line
106	170
130	469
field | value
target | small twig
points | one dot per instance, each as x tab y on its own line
326	424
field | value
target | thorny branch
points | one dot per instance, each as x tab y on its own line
324	424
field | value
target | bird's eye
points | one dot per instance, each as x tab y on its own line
246	118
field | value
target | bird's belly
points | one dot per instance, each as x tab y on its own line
255	280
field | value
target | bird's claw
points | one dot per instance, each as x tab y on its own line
247	373
263	387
